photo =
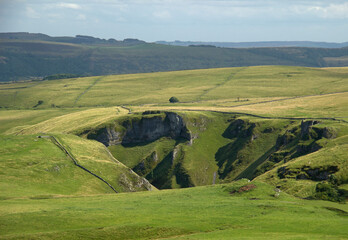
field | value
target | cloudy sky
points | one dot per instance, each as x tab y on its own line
195	20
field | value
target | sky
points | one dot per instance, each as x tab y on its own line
185	20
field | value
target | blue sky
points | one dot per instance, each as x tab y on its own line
195	20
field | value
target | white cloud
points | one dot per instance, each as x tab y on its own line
162	14
333	11
47	6
31	13
68	5
181	19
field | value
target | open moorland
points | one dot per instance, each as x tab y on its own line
246	153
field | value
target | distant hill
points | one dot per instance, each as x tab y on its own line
78	39
35	56
259	44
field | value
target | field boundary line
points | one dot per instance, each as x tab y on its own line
87	89
267	101
259	116
229	78
288	98
59	145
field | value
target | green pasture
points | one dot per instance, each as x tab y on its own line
321	106
71	122
187	86
209	212
24	118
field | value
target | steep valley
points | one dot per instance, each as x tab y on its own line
186	149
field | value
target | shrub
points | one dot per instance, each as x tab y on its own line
61	76
38	103
173	100
326	191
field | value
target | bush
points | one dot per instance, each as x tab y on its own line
326	191
61	76
38	103
173	100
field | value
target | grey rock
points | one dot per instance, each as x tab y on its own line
151	129
146	129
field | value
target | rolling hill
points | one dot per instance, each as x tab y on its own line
34	56
284	128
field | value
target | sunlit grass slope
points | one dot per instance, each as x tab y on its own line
72	122
188	86
14	118
195	213
324	106
321	106
34	167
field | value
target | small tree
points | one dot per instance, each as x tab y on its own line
38	103
173	100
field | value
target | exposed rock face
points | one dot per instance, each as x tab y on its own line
329	133
306	172
150	129
147	164
240	128
133	182
285	139
146	129
306	126
108	136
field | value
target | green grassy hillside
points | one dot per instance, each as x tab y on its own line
211	212
293	176
36	167
19	118
213	87
70	123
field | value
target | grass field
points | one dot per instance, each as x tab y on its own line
321	106
18	118
73	122
188	86
203	212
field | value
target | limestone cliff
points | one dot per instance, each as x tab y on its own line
147	128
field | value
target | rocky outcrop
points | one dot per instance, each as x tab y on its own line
152	128
306	172
329	133
285	139
306	127
240	128
107	135
147	164
145	129
133	182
